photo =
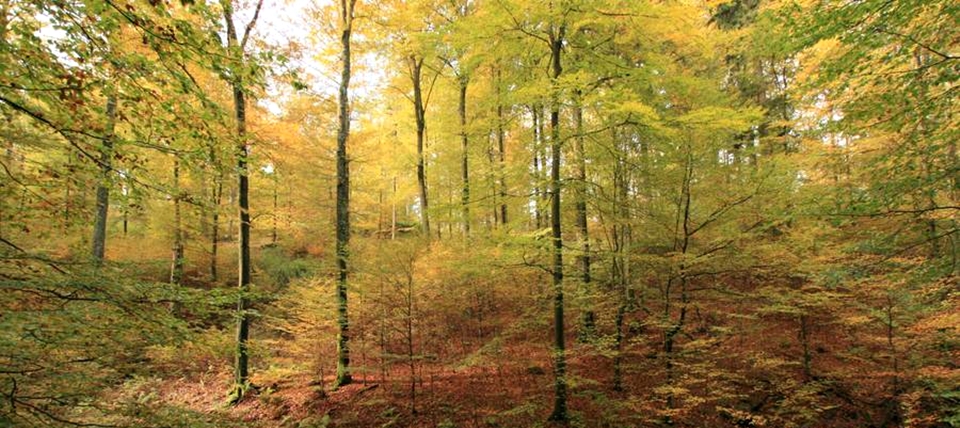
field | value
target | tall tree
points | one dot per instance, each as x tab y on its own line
415	65
236	51
588	321
556	39
455	56
343	195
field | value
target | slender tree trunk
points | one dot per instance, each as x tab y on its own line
681	245
543	176
243	268
393	211
382	333
891	324
236	48
176	267
537	179
588	320
276	212
343	199
66	195
410	354
217	196
380	213
501	151
126	205
103	186
465	154
560	364
244	271
416	76
621	263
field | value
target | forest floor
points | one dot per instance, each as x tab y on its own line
515	394
730	369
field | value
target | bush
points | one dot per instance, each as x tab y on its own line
282	268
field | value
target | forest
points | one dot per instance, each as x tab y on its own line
479	213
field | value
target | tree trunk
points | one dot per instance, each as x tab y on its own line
217	196
588	320
103	186
560	364
681	244
243	190
176	266
501	152
393	211
276	213
416	71
537	179
128	192
343	200
243	269
622	236
465	154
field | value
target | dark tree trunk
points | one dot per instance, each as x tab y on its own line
236	49
560	365
465	154
243	269
393	211
416	77
588	320
501	152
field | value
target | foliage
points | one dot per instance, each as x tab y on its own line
752	221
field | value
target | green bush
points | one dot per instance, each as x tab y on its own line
282	268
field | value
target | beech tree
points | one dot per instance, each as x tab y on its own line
343	195
236	51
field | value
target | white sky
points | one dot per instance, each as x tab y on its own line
284	21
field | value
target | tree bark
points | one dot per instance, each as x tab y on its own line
217	196
103	186
537	166
416	77
465	154
560	363
176	266
343	199
236	51
501	151
588	320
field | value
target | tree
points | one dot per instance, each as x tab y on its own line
236	51
343	195
103	187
